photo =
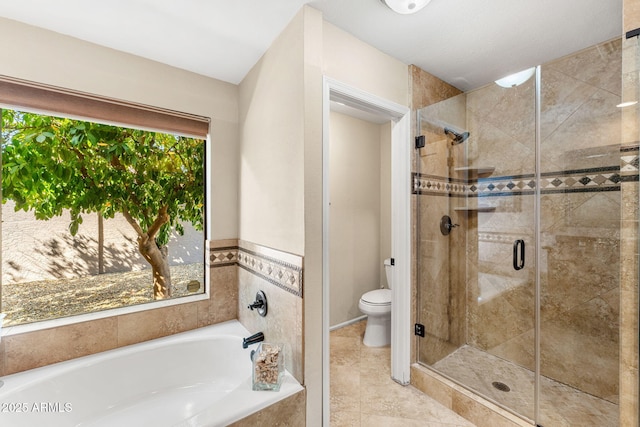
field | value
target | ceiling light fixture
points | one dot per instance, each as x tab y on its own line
516	79
406	7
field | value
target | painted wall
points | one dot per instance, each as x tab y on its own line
385	199
281	153
51	58
272	145
359	153
272	183
351	61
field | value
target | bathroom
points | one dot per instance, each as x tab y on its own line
266	191
360	211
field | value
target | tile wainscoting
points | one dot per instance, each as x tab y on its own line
279	275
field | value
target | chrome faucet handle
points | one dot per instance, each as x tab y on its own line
260	304
257	304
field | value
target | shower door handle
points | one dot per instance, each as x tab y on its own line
518	254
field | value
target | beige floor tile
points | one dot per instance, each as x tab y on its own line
344	389
382	421
355	330
363	393
344	351
345	419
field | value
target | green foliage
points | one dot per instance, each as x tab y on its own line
50	164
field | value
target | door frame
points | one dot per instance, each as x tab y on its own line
399	115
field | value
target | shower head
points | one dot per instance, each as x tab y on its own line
456	137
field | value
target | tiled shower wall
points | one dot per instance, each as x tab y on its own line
433	302
583	245
629	396
580	218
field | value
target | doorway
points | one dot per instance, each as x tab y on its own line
366	103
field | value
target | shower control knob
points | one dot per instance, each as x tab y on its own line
446	225
260	304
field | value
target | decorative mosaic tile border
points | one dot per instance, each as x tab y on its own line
499	237
283	271
569	181
221	257
629	161
280	273
439	186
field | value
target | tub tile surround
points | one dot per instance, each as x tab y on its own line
238	270
279	275
278	268
21	352
155	324
581	214
287	412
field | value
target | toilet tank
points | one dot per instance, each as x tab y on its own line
388	268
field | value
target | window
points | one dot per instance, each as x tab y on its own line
97	216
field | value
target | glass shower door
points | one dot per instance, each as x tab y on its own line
519	199
580	211
476	284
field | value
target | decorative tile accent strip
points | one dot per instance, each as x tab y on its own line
601	179
503	186
439	186
220	257
635	146
629	162
569	181
284	274
499	237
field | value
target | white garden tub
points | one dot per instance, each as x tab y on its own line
196	378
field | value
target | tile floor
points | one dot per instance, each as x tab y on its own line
363	393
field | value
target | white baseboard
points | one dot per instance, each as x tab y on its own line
348	322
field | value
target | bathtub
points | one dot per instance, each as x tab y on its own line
196	378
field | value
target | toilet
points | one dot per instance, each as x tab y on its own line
377	306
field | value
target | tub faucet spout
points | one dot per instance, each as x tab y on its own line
255	338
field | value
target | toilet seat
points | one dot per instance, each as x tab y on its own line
379	297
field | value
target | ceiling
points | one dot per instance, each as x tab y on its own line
467	43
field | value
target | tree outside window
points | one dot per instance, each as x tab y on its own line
155	180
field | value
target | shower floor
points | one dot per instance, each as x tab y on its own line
560	405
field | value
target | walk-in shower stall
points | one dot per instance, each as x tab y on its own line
519	197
